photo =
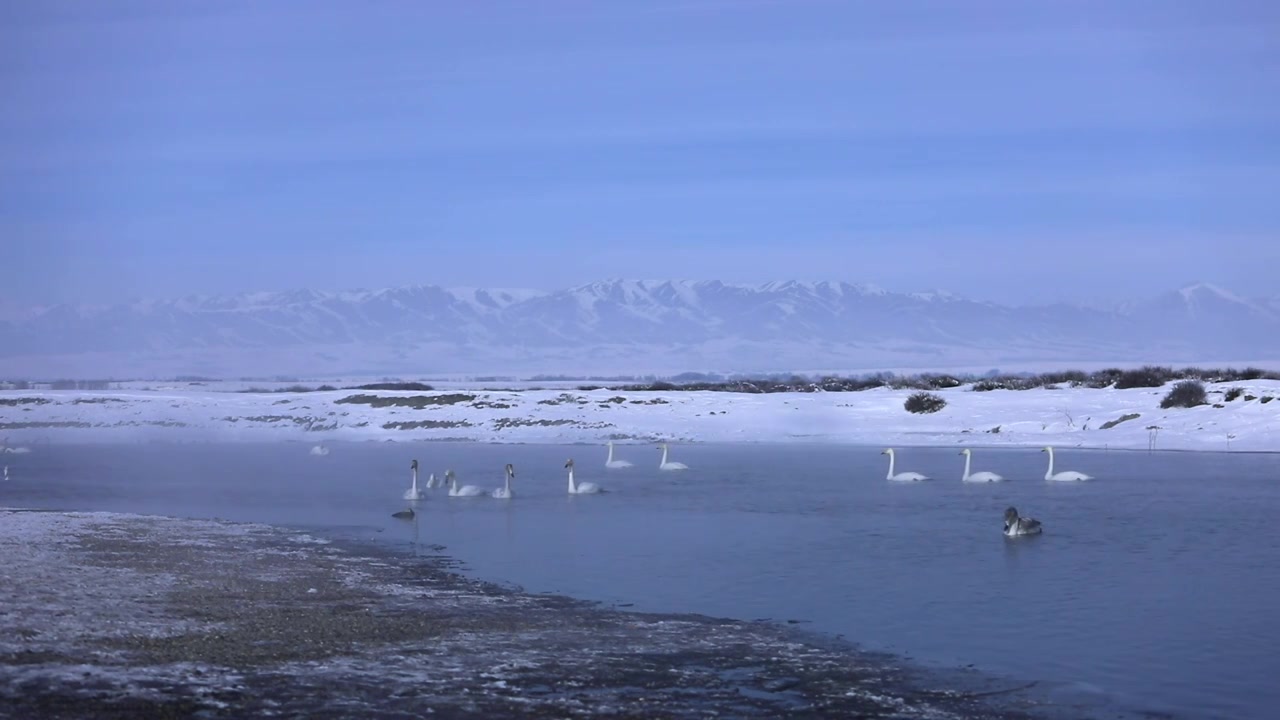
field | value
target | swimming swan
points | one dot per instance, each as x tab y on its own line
665	465
464	491
1015	526
319	450
413	493
1065	475
432	483
983	476
504	492
901	477
583	488
611	463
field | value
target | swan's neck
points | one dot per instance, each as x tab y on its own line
507	484
664	455
572	486
610	453
967	459
1048	474
415	479
890	464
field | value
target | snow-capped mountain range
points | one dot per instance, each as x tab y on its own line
619	326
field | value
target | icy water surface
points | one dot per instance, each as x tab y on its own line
1152	589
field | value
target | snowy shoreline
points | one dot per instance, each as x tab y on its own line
129	616
1071	417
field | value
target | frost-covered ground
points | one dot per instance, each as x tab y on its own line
1080	417
123	616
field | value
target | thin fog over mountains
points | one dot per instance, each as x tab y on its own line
622	326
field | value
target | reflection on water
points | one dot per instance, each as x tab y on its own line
1152	586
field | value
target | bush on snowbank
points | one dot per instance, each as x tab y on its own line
1188	393
923	402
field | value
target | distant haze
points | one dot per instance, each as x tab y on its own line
1010	151
623	327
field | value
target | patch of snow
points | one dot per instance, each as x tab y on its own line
1189	293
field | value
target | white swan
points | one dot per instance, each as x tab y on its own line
433	483
413	493
611	463
665	465
464	491
983	476
1065	475
583	488
901	477
319	450
1015	526
6	472
504	492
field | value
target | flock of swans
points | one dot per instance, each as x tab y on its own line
450	480
1014	525
984	476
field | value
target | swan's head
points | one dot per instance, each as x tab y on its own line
887	451
663	446
568	463
511	470
964	451
1010	515
1046	448
413	465
449	476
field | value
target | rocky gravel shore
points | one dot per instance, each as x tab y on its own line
123	616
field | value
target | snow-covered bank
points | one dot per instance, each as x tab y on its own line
124	616
1081	417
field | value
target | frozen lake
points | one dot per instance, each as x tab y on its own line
1152	589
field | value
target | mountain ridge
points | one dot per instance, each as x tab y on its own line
622	324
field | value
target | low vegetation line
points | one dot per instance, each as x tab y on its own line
1149	376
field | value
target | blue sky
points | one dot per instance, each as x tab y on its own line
1011	151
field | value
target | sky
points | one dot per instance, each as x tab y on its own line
1007	151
